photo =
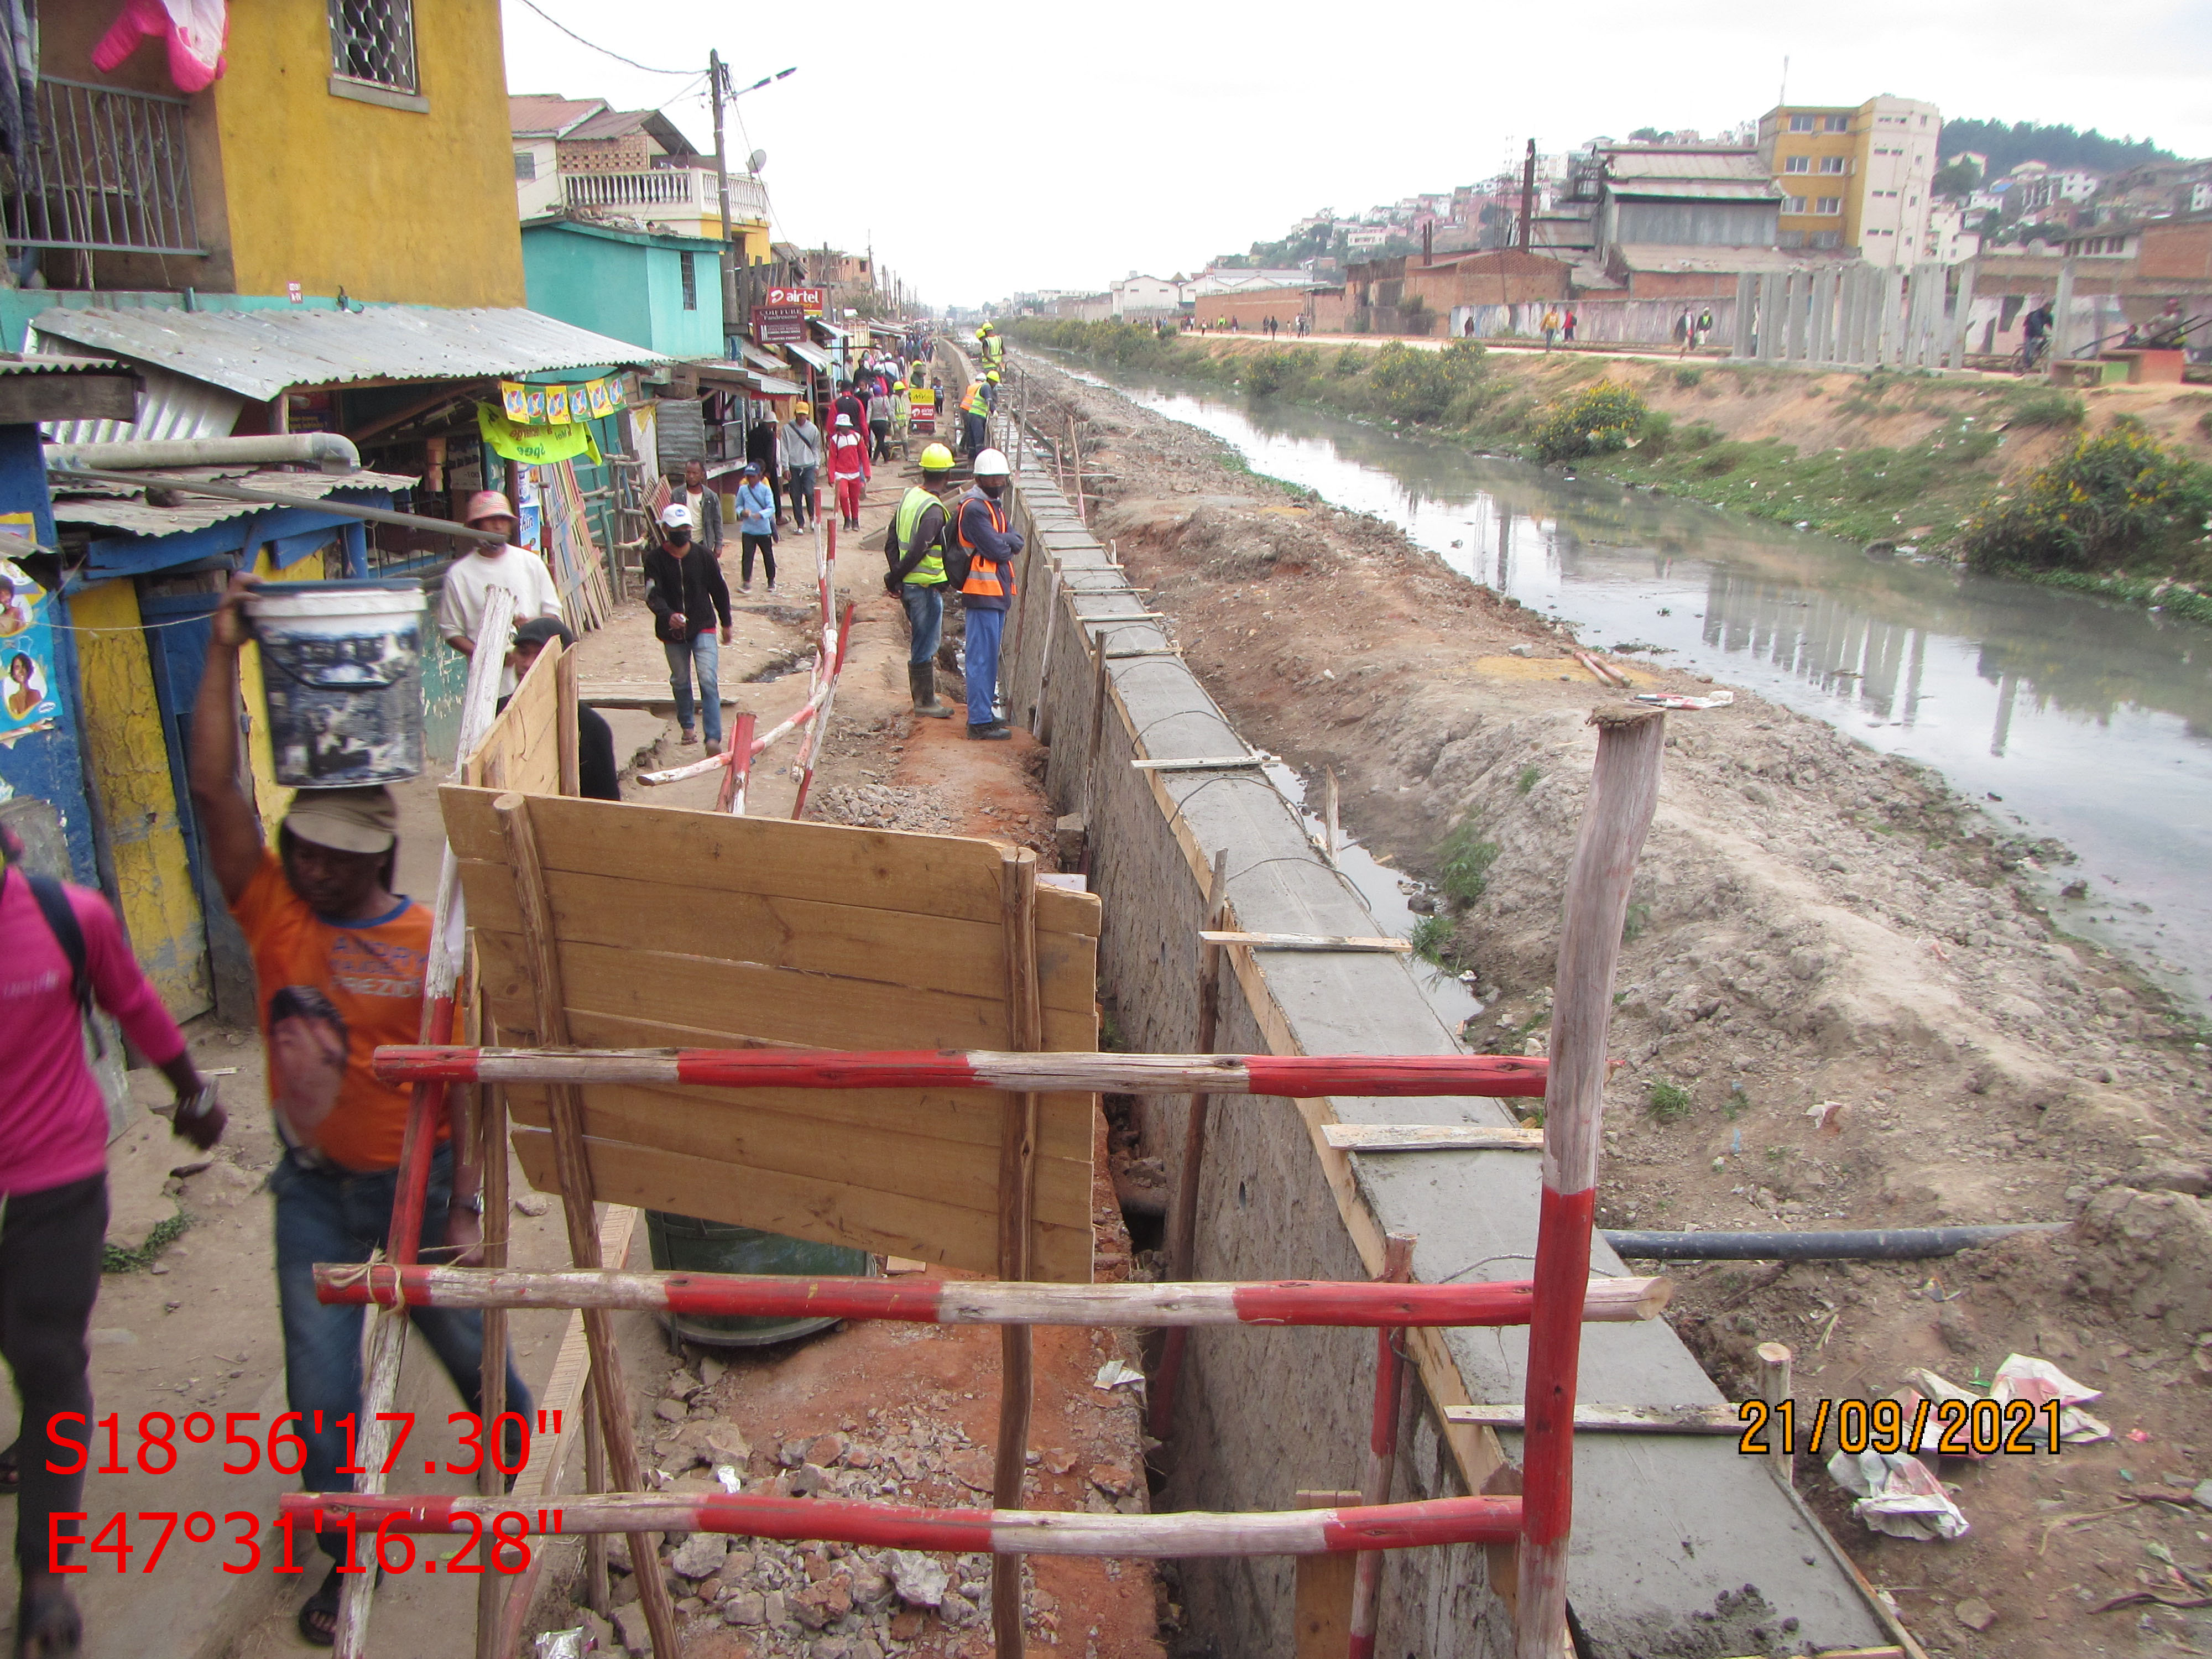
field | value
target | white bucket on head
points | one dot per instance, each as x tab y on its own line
341	665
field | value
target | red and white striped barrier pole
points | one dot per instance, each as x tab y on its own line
1623	790
998	1532
1383	1305
811	747
1297	1077
1393	1386
732	797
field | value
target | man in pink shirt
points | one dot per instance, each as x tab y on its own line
53	1198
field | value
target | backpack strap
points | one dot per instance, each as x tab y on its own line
61	917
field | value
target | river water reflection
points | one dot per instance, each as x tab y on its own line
2085	720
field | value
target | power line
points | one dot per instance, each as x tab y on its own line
595	45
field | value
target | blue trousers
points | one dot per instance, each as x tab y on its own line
925	616
328	1217
972	427
704	653
980	664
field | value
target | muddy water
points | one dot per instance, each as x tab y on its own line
2068	717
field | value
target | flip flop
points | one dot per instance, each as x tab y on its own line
318	1613
11	1476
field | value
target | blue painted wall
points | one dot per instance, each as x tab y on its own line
48	765
627	284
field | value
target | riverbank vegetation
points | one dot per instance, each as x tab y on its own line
1912	460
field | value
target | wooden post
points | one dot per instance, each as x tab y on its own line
1075	453
1017	1139
492	1376
598	1593
738	760
1394	1388
566	687
387	1333
1322	1592
1774	1388
1623	789
610	1392
1041	710
1183	1220
1330	829
1091	761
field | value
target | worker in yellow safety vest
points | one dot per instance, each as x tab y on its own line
974	416
914	548
992	346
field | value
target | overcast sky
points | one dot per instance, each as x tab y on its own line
984	150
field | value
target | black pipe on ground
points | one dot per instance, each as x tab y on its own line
1877	1244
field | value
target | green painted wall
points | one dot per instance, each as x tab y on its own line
626	285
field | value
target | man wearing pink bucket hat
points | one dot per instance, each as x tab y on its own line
488	565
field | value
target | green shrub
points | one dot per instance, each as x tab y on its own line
1417	385
1431	939
1633	924
1658	432
1687	375
1463	862
2204	423
1349	361
1276	368
1599	420
1529	779
114	1259
2112	497
1699	434
1669	1102
2049	407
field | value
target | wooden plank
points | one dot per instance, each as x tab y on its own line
703	852
564	1390
885	946
1430	1137
1614	1419
66	395
1018	1208
1321	1599
831	1214
1214	763
802	1008
1309	942
640	693
898	1165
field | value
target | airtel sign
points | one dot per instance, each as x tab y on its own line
808	299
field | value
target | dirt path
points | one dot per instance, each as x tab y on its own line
1836	1010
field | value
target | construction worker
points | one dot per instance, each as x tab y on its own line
901	416
993	346
975	418
991	389
915	546
986	536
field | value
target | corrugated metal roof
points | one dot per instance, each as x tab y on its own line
1683	164
1652	256
257	353
108	506
759	359
532	114
807	353
13	365
1695	189
169	406
775	386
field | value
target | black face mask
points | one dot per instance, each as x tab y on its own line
994	488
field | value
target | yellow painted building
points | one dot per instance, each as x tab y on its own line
1855	177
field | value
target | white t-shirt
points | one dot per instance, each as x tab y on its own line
522	573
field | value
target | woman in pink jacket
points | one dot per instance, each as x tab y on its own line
850	467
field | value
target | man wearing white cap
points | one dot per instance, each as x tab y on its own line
686	591
339	958
489	565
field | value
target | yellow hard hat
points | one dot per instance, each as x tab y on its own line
898	386
992	377
937	458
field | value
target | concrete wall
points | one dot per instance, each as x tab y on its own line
1664	1526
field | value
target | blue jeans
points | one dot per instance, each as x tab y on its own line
980	664
925	615
802	496
703	652
325	1216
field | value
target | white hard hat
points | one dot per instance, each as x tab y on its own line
992	465
678	517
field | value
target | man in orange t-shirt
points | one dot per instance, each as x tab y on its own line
340	959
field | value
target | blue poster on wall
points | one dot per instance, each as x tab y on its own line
28	699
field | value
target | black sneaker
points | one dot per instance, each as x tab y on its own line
995	732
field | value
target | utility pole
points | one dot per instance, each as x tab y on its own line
717	79
1527	193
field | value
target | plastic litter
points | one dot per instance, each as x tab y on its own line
563	1644
1899	1496
1676	700
1115	1374
2023	1377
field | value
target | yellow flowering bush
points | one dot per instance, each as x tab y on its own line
2110	497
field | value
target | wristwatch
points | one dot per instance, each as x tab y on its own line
473	1201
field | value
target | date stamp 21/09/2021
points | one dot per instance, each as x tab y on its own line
1950	1428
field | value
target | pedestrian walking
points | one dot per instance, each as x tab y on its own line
921	535
879	423
1567	325
799	448
1551	326
849	469
901	416
853	403
597	777
763	444
1704	328
66	952
686	594
989	545
486	565
339	959
704	504
755	526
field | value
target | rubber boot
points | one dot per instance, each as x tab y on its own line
921	681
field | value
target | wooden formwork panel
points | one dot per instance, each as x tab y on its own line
677	927
522	749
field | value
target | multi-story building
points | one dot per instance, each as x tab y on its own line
581	158
1855	177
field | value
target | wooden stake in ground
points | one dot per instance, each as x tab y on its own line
387	1333
1774	1388
1017	1139
610	1392
1623	790
1394	1391
492	1378
1183	1221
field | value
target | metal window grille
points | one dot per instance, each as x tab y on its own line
690	283
525	167
107	171
374	41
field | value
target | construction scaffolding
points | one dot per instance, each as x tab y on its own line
967	1142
